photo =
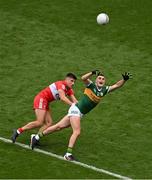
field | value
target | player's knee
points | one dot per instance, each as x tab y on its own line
77	132
39	123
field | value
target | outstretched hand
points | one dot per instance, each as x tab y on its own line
126	76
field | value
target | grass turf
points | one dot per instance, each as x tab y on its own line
41	41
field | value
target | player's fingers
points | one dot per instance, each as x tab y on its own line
125	74
130	76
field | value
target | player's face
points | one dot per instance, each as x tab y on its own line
70	82
100	81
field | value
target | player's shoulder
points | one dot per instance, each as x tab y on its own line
61	84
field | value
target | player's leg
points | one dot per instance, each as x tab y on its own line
40	106
63	123
40	116
76	127
48	121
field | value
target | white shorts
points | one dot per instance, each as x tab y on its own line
74	111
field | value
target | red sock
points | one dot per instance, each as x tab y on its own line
20	130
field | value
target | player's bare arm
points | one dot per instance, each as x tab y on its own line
64	98
120	83
86	77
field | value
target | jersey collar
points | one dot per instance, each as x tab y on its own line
99	89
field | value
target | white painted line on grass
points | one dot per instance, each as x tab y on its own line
75	162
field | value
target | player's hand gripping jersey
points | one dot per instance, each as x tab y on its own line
91	97
51	93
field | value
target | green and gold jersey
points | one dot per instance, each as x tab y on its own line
91	97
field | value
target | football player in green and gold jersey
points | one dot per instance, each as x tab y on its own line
93	94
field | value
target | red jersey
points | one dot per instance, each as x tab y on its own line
51	93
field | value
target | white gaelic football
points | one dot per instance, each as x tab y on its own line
102	19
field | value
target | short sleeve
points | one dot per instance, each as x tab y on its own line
90	84
107	89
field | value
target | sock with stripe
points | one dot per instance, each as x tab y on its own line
19	130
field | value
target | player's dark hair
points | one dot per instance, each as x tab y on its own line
71	75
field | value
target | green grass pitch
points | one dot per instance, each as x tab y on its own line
42	40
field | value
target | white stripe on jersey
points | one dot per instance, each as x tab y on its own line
54	91
108	87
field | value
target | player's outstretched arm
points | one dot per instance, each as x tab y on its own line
64	98
126	76
86	77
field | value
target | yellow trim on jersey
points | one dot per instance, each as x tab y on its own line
91	95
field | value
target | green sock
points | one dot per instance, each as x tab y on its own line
69	150
40	134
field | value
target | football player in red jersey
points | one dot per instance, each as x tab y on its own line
55	91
